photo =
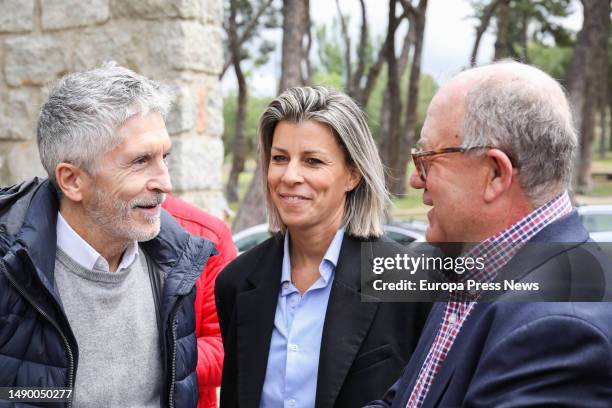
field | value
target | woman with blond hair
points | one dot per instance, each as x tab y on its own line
295	331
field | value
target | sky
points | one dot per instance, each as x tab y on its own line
449	38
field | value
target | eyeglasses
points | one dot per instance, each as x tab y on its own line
421	161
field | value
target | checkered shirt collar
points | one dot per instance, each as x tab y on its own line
501	247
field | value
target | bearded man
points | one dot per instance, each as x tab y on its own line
97	281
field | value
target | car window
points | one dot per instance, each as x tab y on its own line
597	222
251	241
400	238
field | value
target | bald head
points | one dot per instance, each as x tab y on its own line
513	75
522	111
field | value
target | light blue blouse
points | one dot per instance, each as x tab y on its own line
293	360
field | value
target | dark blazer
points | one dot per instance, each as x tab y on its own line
364	344
518	354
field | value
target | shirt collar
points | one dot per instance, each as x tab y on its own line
534	222
84	254
501	247
331	257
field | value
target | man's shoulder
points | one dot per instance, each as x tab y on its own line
505	318
32	201
14	203
577	271
534	350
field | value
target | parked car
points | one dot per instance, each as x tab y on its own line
250	237
406	232
401	232
598	221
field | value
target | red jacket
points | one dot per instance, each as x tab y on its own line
210	346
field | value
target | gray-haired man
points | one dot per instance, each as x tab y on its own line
97	281
496	155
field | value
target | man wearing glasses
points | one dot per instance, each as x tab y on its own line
494	162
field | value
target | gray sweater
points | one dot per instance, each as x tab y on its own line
112	315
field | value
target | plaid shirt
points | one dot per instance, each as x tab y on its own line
498	249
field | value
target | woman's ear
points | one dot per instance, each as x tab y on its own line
71	180
499	176
354	178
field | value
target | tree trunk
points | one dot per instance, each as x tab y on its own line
503	24
610	103
306	78
602	131
390	141
584	182
362	95
383	129
295	19
603	102
584	74
354	87
239	147
525	38
347	46
383	132
412	105
252	211
485	20
246	35
409	40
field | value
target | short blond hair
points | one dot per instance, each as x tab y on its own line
367	204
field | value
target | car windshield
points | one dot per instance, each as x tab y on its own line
251	241
597	222
400	238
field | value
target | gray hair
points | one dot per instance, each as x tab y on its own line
530	120
367	204
78	122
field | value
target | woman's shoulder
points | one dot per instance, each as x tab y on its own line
242	265
375	244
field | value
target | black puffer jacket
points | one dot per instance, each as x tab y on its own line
37	346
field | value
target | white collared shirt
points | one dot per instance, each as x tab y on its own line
84	254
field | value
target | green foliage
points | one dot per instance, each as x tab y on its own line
329	52
542	14
375	103
255	106
535	22
329	69
427	89
266	48
552	60
255	48
332	79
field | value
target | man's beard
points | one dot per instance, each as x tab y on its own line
115	217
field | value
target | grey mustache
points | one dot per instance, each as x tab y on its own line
149	201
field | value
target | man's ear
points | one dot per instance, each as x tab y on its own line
354	178
499	176
71	179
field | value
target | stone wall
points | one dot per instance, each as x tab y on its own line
177	41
